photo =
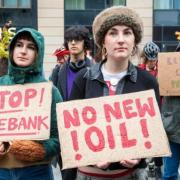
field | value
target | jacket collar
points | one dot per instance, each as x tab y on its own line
95	72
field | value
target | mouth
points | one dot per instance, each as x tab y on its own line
22	58
121	49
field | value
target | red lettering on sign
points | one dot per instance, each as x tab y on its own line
29	94
110	136
89	120
2	98
126	142
145	133
2	124
75	144
127	105
36	122
15	99
71	119
99	146
115	111
146	107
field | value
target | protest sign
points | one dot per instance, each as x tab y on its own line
111	128
169	73
25	111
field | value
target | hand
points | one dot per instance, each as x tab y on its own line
130	163
2	148
102	165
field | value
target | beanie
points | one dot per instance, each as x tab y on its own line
116	15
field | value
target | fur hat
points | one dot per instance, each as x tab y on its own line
113	16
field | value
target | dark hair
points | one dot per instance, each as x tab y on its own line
78	33
24	35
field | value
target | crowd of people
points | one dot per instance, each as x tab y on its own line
117	32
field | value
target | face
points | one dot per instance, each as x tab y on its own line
151	64
119	42
76	47
24	53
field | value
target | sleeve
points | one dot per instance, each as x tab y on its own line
54	76
52	146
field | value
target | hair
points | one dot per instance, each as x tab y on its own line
78	33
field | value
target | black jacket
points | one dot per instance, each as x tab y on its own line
89	83
59	77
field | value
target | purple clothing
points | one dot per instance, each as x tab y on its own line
70	78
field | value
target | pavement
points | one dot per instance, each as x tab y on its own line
56	172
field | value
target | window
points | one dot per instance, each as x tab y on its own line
118	2
15	4
74	4
166	4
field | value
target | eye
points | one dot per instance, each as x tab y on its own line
18	44
113	33
128	32
32	47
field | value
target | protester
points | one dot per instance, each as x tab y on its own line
150	64
171	121
77	41
150	58
117	31
29	159
62	56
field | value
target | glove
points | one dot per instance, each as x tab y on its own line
26	150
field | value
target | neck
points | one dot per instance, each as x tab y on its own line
77	57
116	66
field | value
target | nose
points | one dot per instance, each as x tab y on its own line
120	38
23	49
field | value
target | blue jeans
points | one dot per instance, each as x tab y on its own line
171	164
37	172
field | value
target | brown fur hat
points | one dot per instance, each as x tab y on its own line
115	15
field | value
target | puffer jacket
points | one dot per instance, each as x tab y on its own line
171	117
32	74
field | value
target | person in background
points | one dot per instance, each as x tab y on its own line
62	56
29	159
117	32
171	121
77	41
150	58
150	64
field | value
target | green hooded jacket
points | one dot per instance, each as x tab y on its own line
34	74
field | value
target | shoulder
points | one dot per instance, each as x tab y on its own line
5	80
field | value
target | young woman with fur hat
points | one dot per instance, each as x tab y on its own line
117	32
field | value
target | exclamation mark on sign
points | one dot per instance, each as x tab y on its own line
41	97
75	144
145	133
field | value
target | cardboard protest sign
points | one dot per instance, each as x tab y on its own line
25	111
111	128
169	73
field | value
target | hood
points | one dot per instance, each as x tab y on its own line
37	67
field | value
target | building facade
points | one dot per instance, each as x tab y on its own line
161	19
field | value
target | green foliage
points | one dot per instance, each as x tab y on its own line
4	43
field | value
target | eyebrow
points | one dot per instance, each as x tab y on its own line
30	42
114	29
